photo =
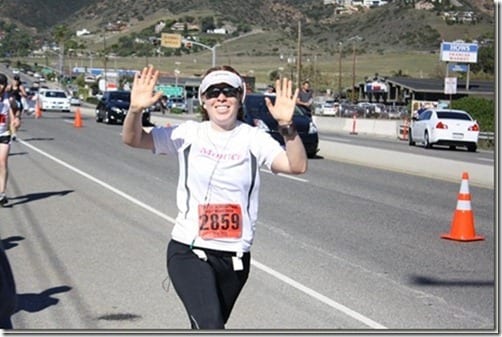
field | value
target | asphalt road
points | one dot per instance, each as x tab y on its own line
344	247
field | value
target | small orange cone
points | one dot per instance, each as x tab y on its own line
462	225
78	119
38	111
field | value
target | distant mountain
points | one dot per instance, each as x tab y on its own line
397	25
40	15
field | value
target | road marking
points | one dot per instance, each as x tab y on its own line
99	182
308	291
336	139
318	296
486	159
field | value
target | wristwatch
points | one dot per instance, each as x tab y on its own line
287	130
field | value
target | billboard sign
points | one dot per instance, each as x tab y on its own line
170	40
459	52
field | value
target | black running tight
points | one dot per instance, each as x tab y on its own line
208	289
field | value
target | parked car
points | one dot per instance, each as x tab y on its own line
113	106
256	114
53	99
349	110
444	127
329	108
177	103
75	101
32	91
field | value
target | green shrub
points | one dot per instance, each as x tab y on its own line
92	100
481	109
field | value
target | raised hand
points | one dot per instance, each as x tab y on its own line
284	106
142	93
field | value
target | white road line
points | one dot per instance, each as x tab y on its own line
99	182
486	159
308	291
318	296
337	139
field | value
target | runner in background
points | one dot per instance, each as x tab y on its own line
8	122
17	95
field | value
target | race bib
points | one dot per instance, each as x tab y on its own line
220	221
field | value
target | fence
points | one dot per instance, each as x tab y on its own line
490	136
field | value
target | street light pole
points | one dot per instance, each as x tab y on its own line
212	49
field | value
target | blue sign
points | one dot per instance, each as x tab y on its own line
458	67
459	47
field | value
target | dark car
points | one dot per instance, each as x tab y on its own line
256	114
113	107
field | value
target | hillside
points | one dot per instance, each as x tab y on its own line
390	27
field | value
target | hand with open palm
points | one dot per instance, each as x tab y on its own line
284	106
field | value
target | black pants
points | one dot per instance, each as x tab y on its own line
208	289
8	295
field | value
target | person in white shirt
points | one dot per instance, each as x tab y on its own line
8	122
208	256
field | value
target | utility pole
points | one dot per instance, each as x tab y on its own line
354	39
104	60
315	73
299	57
340	70
353	72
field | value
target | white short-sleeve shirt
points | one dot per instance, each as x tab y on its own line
216	167
4	116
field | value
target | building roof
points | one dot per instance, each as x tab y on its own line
428	85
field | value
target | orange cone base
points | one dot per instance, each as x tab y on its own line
464	239
462	228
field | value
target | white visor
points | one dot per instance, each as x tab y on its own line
219	77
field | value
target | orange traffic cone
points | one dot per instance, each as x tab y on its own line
78	119
38	111
462	225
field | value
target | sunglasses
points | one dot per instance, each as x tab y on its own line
214	92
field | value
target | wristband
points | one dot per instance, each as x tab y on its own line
287	130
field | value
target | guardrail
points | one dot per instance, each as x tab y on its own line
487	135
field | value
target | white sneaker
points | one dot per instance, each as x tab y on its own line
3	199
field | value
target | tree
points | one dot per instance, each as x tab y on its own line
207	23
61	33
486	62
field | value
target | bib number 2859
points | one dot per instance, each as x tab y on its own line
220	221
